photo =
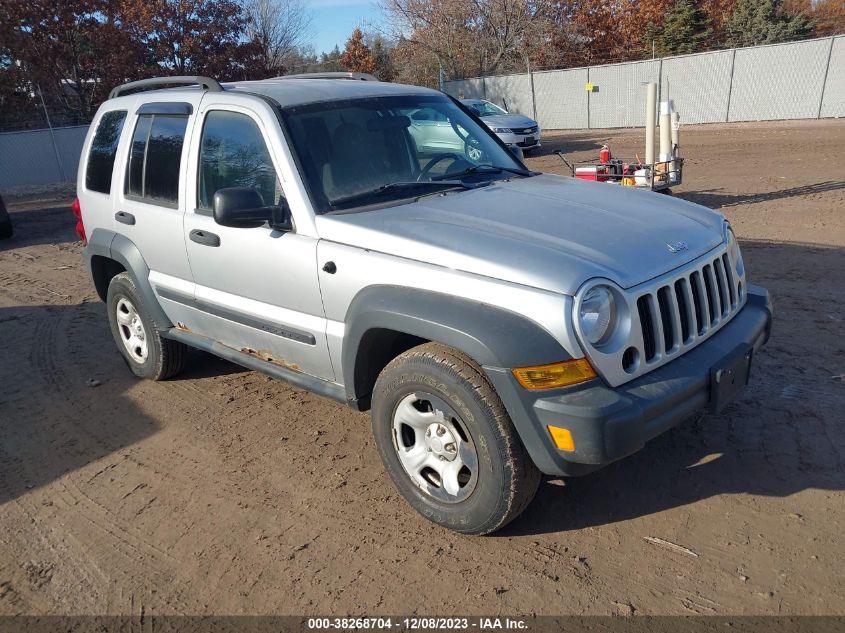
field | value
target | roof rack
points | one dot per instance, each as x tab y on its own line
331	75
206	82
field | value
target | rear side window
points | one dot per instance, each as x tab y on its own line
103	151
154	158
233	154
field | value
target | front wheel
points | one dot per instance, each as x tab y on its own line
448	443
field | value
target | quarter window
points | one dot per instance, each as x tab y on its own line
233	154
155	157
98	173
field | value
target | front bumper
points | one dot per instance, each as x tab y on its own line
608	424
521	139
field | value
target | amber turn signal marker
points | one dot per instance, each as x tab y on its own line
562	438
569	372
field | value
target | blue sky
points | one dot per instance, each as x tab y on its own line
335	19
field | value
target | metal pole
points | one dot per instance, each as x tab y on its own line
730	87
588	99
531	84
52	135
484	75
660	81
824	81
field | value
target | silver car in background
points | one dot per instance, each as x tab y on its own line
513	129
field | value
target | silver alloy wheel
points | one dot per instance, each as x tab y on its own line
131	330
435	448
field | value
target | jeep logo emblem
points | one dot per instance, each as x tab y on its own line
676	247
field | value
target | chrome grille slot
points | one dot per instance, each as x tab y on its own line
685	312
709	293
647	321
731	287
702	317
667	312
722	283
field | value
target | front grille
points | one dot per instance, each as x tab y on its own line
527	130
665	317
676	314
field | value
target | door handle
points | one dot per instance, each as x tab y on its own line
124	217
205	238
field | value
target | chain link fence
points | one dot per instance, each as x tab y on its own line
797	80
38	157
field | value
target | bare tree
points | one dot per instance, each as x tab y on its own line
280	28
467	37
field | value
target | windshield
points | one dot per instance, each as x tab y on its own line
376	150
484	108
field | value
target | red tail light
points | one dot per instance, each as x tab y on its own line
77	213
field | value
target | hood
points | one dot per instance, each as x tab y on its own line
546	232
508	120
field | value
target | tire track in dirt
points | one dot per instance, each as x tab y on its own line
52	377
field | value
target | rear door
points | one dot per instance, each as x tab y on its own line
257	289
97	169
150	205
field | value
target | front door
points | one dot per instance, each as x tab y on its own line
256	289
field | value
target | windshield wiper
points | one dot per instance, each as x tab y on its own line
440	185
484	169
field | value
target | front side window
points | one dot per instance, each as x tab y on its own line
98	173
155	157
233	154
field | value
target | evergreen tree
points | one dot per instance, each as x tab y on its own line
331	61
381	56
685	29
755	22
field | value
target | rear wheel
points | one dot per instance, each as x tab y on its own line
5	222
448	443
148	354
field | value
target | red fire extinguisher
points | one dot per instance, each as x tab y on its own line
604	154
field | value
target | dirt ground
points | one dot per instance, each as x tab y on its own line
225	492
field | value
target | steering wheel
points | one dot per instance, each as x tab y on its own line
438	158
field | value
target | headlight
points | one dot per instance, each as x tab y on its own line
597	315
502	130
734	253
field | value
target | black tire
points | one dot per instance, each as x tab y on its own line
506	479
6	230
163	358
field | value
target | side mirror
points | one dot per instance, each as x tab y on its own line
516	150
241	207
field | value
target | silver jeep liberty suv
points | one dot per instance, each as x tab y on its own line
498	323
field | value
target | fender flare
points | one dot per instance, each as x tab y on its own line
111	245
492	336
